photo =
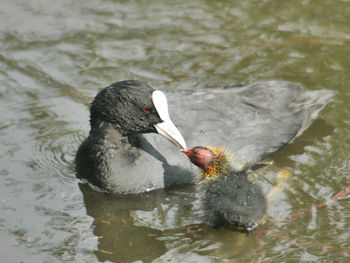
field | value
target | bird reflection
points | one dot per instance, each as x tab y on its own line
119	239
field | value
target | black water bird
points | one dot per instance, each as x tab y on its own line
124	154
115	157
230	198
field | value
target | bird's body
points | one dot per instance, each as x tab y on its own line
233	200
251	121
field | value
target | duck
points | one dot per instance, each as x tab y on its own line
124	153
230	198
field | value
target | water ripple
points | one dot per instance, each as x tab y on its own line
56	55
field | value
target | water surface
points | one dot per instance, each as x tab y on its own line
56	55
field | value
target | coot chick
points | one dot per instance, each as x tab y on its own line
119	114
230	198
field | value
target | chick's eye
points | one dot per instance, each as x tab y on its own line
145	110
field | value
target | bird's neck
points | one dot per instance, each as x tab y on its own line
99	128
107	135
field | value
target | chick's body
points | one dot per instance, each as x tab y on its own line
229	197
233	200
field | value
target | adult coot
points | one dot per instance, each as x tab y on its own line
111	156
229	197
251	121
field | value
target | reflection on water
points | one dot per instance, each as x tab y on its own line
156	225
118	238
56	55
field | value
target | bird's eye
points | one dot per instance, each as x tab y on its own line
145	110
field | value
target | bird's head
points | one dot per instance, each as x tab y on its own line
133	107
213	161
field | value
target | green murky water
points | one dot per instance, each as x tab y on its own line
55	56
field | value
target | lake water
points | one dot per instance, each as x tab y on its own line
56	55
